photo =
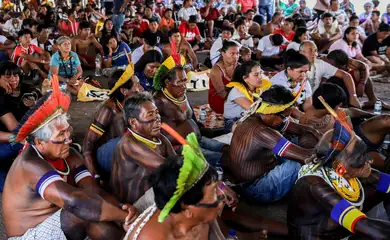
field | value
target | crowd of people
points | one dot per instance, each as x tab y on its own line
287	80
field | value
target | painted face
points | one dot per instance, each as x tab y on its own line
151	68
177	87
231	55
149	120
254	78
353	36
65	47
11	79
58	145
298	74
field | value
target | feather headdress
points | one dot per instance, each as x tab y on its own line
193	168
126	76
174	60
47	108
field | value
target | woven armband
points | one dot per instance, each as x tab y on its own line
46	180
346	215
384	183
81	173
97	128
281	147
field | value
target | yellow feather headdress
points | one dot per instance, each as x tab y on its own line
126	76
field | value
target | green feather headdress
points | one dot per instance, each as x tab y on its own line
193	169
174	60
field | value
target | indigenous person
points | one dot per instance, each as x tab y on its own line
327	32
269	52
262	162
210	14
287	30
241	34
146	68
190	32
245	88
167	22
42	40
66	65
140	151
107	123
118	53
82	42
354	22
320	69
28	56
150	42
300	35
371	25
68	26
221	75
328	197
376	48
182	47
386	15
171	100
49	185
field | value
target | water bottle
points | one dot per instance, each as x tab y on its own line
232	235
98	65
202	114
378	107
219	169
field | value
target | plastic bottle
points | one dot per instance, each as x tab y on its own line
202	114
98	65
378	107
219	169
232	235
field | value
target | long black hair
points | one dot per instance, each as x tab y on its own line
348	31
298	33
226	44
294	59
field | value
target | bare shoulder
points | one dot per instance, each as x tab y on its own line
75	159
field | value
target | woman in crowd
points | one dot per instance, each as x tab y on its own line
245	88
187	10
221	74
108	29
116	53
354	22
301	34
289	8
66	64
146	68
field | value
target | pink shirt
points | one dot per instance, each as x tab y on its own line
246	4
352	52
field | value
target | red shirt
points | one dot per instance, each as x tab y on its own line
213	14
246	4
189	34
31	49
289	37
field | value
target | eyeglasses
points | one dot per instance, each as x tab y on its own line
211	205
66	139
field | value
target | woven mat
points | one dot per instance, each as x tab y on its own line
213	120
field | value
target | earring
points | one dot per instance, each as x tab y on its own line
340	168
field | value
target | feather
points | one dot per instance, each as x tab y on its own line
175	55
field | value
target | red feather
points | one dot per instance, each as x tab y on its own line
175	55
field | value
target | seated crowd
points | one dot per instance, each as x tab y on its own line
287	81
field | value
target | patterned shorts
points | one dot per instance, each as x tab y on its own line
50	229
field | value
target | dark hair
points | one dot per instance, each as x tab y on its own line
348	31
339	58
348	11
277	39
276	14
84	24
41	27
23	32
9	68
277	94
153	19
113	79
164	183
226	44
192	19
376	12
173	31
171	74
384	27
300	23
249	10
148	57
105	32
353	17
290	20
243	70
227	28
240	21
294	60
259	19
334	1
298	33
332	94
150	38
326	15
132	105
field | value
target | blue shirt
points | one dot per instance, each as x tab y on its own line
117	6
66	68
146	83
119	57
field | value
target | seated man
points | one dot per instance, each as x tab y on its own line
241	34
140	151
335	186
28	56
210	14
82	42
259	160
107	122
190	32
326	33
175	110
287	30
49	193
6	48
376	48
150	42
372	25
183	48
43	41
268	51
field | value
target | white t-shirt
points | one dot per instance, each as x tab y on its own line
138	52
42	45
320	69
293	45
185	13
281	79
214	51
12	29
3	39
266	47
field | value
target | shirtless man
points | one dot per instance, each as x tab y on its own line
259	152
82	42
182	46
141	149
107	123
334	190
326	33
49	193
175	110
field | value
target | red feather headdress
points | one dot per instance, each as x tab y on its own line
46	109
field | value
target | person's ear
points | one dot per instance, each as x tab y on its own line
187	211
133	123
124	91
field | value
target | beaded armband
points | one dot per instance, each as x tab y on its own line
346	215
281	147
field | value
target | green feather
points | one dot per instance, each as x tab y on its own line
157	84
